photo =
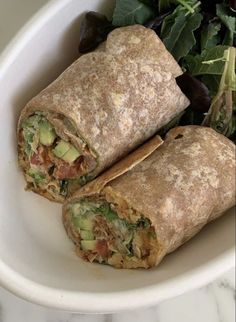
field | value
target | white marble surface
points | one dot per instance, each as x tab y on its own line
213	303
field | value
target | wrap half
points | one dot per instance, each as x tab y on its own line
103	106
132	216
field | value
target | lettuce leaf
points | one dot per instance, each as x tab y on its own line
177	32
131	12
211	61
210	36
223	12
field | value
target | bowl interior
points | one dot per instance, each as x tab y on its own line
33	241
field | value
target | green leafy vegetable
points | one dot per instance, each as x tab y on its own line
223	12
221	111
107	212
211	61
38	176
189	5
210	36
130	12
212	82
177	32
164	5
198	35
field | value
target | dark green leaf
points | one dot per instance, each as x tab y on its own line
225	15
107	212
155	23
210	35
151	3
131	12
177	32
211	61
164	5
191	117
212	82
228	38
223	12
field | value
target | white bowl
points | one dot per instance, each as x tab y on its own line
37	260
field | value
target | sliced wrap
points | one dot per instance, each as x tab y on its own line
102	107
134	219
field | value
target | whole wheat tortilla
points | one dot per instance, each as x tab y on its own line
184	184
116	97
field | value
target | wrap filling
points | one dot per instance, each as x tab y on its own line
52	164
104	236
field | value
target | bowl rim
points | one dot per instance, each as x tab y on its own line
102	302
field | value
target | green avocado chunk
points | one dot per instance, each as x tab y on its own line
88	244
47	134
83	223
71	155
66	151
86	234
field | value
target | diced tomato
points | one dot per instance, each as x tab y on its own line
45	156
102	248
36	159
65	170
41	157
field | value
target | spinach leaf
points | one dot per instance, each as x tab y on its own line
37	175
107	212
211	61
210	36
177	32
164	5
151	3
155	23
130	12
188	5
223	12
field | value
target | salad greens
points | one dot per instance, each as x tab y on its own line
131	13
201	35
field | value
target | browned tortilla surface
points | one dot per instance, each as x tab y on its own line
184	184
116	97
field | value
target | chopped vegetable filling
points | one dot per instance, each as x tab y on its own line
50	163
104	237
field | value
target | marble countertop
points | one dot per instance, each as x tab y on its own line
212	303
